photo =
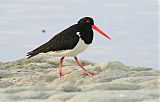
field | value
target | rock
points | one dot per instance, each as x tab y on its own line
1	63
36	80
62	96
109	96
41	65
154	100
5	74
135	68
68	88
110	86
113	65
33	80
5	83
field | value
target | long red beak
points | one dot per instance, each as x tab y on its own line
100	31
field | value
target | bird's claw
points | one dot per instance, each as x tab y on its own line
90	73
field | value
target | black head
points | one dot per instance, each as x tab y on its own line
87	24
86	21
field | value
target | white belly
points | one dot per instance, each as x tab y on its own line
79	48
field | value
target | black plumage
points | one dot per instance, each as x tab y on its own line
65	40
68	38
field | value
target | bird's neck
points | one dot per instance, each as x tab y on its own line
86	33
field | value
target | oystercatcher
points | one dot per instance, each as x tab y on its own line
70	42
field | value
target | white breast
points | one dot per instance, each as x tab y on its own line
79	48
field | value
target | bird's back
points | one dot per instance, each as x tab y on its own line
65	40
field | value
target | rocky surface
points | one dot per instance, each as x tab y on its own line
36	80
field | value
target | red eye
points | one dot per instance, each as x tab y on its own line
87	21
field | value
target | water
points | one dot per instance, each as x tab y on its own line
132	25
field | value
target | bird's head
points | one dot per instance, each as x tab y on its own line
86	21
89	22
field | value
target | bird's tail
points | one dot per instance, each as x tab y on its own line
36	51
31	54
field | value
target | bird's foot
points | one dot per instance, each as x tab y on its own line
90	73
61	74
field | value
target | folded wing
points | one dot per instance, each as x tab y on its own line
65	40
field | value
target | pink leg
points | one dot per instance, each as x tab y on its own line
60	67
85	70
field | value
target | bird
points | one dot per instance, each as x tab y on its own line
70	42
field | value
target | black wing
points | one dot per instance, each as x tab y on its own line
65	40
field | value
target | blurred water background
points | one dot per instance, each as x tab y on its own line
132	25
